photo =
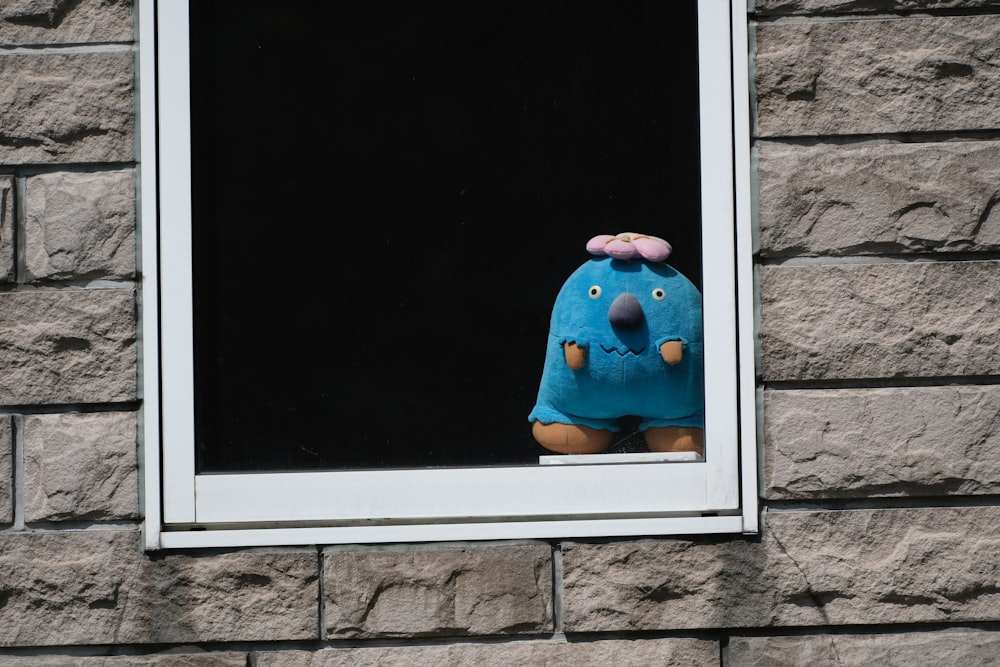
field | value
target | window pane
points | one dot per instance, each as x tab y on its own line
387	198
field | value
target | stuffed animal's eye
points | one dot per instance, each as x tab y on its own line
594	291
659	294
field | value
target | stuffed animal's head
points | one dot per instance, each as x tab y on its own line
627	299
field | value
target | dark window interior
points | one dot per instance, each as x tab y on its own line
389	195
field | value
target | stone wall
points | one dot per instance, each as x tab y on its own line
878	156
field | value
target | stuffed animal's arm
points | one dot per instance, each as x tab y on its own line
576	356
672	351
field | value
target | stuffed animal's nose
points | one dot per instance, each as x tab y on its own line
625	312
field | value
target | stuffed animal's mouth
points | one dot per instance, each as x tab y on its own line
622	352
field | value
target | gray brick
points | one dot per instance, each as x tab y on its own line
879	198
96	587
873	76
809	568
172	659
922	319
798	7
6	470
67	346
967	648
27	22
617	652
858	443
7	222
80	467
483	590
74	107
80	226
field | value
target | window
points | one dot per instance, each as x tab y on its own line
354	227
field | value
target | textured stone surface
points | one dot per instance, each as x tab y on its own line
967	648
928	319
7	249
73	107
67	346
872	76
80	225
222	659
879	198
841	567
80	467
910	441
620	653
480	590
766	7
95	587
6	470
26	22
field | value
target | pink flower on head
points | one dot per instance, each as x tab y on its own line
629	245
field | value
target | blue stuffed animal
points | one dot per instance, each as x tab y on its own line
625	339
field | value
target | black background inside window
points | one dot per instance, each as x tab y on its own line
387	199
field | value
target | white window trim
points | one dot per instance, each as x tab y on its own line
546	501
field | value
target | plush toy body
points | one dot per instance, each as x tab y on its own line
625	339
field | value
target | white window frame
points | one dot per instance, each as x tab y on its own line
599	495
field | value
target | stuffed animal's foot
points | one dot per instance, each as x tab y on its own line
571	438
675	439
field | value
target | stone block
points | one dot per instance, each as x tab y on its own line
80	226
80	467
67	346
29	22
221	659
96	587
482	590
6	470
680	652
878	76
808	568
879	198
797	7
946	647
862	321
859	443
72	107
7	222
